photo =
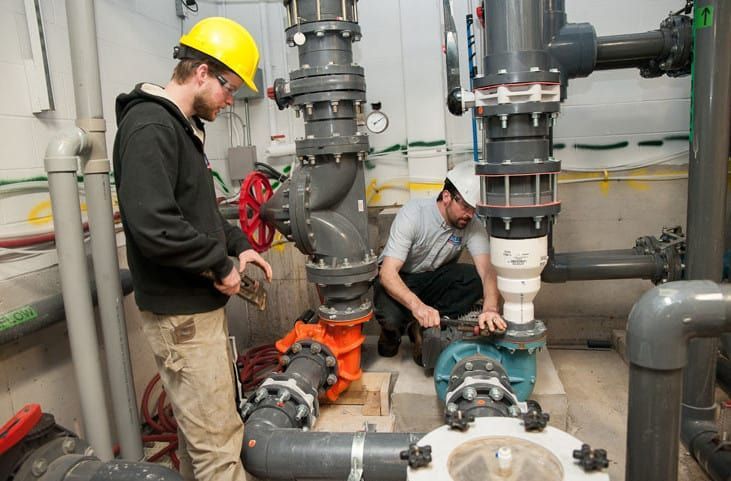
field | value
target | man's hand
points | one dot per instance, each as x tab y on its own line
425	315
231	284
492	321
252	256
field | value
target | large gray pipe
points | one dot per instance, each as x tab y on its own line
87	92
660	327
61	163
631	50
601	265
707	186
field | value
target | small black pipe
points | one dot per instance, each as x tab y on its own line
29	318
601	265
631	50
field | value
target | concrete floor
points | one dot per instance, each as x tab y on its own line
595	385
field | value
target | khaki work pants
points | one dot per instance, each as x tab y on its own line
195	366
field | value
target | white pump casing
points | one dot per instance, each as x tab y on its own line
519	263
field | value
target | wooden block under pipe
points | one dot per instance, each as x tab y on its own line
371	391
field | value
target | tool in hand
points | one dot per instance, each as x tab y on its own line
251	290
469	324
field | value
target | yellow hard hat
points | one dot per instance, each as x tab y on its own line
228	42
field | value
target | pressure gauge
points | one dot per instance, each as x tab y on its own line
377	122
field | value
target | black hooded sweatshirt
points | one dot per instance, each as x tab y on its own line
173	228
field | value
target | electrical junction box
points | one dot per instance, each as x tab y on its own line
240	161
246	93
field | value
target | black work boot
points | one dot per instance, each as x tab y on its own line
388	343
415	334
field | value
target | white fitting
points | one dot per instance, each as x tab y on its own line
519	263
280	149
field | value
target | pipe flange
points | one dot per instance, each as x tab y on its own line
523	337
332	145
334	315
539	76
472	387
518	211
334	69
325	83
543	166
316	26
317	352
282	392
477	365
333	96
342	273
525	108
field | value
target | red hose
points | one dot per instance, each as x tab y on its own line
32	240
254	366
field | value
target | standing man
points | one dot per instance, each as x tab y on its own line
177	239
420	278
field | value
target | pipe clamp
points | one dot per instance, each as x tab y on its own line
356	457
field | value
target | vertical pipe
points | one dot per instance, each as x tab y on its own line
61	164
652	446
89	114
707	186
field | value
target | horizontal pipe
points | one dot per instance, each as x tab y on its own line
630	50
265	449
601	265
34	316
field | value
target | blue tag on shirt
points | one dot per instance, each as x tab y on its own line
455	240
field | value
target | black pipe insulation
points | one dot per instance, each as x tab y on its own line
291	454
31	317
602	265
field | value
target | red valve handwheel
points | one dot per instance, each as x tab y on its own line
255	191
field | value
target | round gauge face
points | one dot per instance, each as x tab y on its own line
377	122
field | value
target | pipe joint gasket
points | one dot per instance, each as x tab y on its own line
527	108
312	148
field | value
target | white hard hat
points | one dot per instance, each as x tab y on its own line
463	177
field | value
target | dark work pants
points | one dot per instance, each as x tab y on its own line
452	290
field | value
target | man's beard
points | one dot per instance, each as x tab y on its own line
204	109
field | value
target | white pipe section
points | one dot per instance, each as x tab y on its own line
62	156
90	117
519	263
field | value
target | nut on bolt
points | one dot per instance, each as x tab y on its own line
68	445
469	394
284	360
330	361
495	393
315	348
302	412
331	379
296	347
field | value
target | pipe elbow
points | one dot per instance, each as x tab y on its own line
666	317
63	151
554	272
